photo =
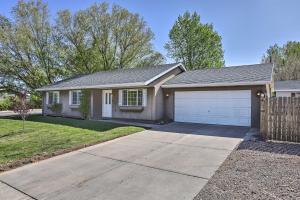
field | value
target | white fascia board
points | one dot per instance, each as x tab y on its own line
123	85
215	84
272	73
165	72
288	90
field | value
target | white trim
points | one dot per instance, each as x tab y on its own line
53	92
288	90
137	96
163	73
106	108
71	100
144	103
47	98
58	96
70	97
138	84
92	105
215	84
272	72
120	97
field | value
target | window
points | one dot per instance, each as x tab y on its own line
108	97
132	97
52	97
75	97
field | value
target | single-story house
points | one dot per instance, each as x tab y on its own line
289	88
228	95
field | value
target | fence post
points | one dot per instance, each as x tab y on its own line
262	117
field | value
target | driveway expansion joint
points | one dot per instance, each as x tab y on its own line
9	185
192	146
139	164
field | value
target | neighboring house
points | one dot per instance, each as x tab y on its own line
229	95
289	88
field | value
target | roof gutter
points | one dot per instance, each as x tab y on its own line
215	84
137	84
288	90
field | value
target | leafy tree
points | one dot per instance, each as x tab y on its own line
195	44
35	52
98	38
286	60
29	58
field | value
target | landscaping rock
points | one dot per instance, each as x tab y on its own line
257	170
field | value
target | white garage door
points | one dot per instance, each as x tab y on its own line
230	107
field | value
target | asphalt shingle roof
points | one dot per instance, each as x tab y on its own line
120	76
287	85
229	75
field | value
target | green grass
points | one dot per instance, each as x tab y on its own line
45	135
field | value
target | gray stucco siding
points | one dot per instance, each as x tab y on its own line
67	110
169	103
154	110
145	114
159	107
97	104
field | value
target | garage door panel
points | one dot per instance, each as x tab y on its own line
214	107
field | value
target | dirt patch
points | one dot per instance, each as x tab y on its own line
257	170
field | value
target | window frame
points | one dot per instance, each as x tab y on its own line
53	99
78	97
138	97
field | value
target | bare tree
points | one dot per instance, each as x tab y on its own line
21	106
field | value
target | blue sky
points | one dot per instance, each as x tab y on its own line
247	28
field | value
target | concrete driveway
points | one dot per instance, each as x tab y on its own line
173	161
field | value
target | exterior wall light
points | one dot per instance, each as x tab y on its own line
260	94
167	95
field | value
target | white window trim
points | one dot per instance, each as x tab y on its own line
58	97
53	92
71	97
144	97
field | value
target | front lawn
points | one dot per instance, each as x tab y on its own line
45	136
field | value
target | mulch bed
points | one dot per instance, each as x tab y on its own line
257	170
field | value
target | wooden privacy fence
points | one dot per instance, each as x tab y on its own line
280	118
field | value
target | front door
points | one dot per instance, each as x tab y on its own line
107	103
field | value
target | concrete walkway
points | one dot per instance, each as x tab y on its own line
171	162
9	113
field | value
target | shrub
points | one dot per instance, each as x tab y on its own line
84	107
35	101
56	108
6	104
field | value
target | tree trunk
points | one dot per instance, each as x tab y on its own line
23	125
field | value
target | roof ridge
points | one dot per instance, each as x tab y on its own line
231	66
